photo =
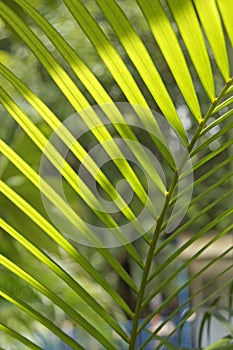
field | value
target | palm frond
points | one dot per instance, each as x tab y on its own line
193	40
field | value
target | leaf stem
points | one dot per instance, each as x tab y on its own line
209	113
150	256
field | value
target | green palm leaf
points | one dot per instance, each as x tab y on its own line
114	285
